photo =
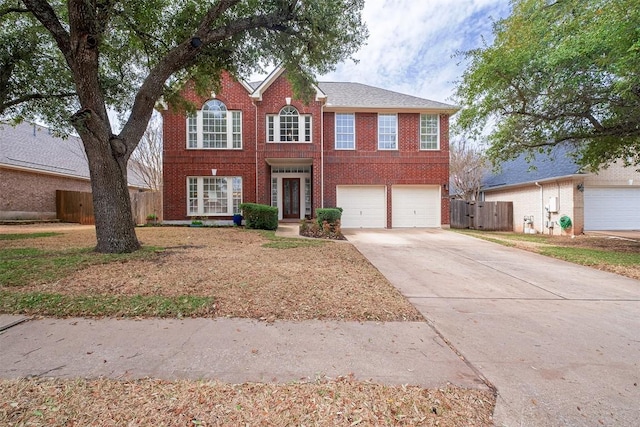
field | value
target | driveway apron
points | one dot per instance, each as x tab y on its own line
560	342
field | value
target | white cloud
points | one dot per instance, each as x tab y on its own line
412	42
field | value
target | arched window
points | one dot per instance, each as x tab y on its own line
289	126
214	126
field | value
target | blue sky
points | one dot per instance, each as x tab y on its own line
412	42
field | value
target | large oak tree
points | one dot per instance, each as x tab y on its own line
558	72
70	62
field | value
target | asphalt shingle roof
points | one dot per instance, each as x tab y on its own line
542	167
33	147
358	95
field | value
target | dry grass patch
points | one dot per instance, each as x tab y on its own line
344	402
327	280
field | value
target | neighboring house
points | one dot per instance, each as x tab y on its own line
33	165
548	187
382	156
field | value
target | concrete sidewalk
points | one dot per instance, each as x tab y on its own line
230	350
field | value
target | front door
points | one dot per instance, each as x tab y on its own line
291	197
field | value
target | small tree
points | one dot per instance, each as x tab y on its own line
146	160
467	168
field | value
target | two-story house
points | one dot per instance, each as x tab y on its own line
380	155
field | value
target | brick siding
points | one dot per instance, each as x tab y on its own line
364	166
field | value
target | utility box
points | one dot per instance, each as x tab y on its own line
554	206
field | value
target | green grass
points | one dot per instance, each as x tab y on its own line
45	304
28	266
22	236
277	242
586	256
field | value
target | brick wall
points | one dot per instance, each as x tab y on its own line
27	195
179	162
365	166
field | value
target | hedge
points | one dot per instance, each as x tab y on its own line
331	215
259	217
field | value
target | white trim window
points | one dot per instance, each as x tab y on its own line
429	132
289	126
214	195
387	131
214	127
345	131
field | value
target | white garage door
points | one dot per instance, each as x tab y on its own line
363	206
415	206
612	208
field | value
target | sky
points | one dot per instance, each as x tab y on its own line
412	42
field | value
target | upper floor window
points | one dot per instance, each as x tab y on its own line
215	127
218	195
345	131
387	132
289	126
429	132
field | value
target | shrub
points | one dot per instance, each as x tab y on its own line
330	215
259	217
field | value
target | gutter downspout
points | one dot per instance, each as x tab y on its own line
541	208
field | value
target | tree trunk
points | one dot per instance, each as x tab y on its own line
115	226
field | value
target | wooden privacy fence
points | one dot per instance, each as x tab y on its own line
489	216
76	206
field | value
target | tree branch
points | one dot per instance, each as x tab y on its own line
33	96
47	17
182	56
9	10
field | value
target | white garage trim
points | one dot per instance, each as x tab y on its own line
415	206
612	208
363	206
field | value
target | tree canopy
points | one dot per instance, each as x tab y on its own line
69	62
558	72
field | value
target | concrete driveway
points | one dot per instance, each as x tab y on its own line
560	342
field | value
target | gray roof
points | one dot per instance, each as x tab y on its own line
358	95
33	147
542	167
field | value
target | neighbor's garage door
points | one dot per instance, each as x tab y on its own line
612	208
363	206
415	206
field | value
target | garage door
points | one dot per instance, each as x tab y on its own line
612	208
363	206
415	206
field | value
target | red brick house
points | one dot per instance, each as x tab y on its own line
380	155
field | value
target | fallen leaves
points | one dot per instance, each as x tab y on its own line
325	402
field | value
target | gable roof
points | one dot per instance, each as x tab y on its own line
361	96
31	147
543	167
